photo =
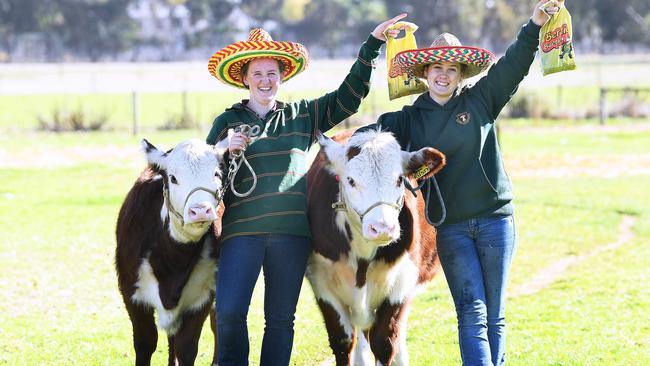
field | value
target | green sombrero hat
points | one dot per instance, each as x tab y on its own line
444	48
226	64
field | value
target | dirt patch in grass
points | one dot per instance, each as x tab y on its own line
547	276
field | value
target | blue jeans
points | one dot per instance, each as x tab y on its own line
284	258
476	255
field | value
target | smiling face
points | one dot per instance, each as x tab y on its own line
443	79
263	77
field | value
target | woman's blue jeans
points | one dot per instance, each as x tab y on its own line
283	258
476	255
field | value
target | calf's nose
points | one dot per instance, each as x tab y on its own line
381	230
201	212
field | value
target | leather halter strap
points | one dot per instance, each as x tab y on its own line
216	194
343	205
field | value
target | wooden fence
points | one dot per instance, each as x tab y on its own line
604	111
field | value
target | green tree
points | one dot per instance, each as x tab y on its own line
334	23
490	23
262	10
95	28
206	20
17	17
620	21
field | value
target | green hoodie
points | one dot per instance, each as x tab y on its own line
278	204
474	182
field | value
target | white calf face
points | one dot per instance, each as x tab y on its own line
372	168
193	173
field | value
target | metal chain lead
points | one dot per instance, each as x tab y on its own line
237	160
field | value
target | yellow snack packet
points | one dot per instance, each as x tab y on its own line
555	42
403	84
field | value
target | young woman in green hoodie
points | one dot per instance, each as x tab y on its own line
477	239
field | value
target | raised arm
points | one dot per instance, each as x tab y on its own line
503	78
332	108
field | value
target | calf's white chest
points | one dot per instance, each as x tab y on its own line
336	283
195	294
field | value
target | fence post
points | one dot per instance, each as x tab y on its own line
603	106
135	108
185	102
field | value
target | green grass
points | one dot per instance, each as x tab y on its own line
595	314
21	112
559	142
61	305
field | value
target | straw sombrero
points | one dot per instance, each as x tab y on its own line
446	47
226	64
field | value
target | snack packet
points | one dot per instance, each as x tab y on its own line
402	84
555	42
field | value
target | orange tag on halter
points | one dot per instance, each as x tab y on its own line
422	171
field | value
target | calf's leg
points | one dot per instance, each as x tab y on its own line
186	339
145	334
388	334
171	354
341	342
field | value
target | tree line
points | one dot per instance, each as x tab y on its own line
154	30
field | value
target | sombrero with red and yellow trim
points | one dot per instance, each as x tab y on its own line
445	48
226	64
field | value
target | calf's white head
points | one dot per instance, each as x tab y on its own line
193	174
371	169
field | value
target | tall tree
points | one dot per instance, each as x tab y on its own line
95	28
207	19
611	21
333	24
17	17
490	23
262	10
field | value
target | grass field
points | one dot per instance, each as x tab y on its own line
60	194
22	112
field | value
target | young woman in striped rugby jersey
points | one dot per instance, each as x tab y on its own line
268	229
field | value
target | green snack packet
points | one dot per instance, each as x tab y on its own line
556	48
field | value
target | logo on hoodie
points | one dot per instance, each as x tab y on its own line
463	118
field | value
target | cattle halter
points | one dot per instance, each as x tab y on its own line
218	194
343	205
238	159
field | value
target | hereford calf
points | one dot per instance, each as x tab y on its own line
372	245
166	251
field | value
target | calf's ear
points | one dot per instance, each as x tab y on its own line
155	157
424	163
334	152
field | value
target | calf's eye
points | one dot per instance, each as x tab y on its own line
400	180
351	182
173	179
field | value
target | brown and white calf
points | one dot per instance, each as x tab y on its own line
372	245
167	249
